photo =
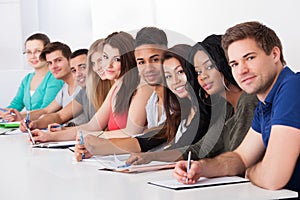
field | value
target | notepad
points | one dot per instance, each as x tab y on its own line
202	182
62	144
119	166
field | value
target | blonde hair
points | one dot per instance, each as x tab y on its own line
96	88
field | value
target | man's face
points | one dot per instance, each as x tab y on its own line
58	64
78	69
148	58
252	68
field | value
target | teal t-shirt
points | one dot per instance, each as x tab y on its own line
42	96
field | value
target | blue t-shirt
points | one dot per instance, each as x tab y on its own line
282	107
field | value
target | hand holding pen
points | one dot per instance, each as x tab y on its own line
81	151
10	115
82	143
55	127
188	172
27	121
188	166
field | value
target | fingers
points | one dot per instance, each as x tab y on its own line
79	151
15	114
180	171
32	125
23	126
36	132
132	159
54	127
181	174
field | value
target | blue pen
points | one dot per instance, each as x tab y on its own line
57	126
4	110
124	166
27	119
82	143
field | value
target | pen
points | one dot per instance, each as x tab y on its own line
27	119
5	110
188	165
82	143
124	166
57	126
30	135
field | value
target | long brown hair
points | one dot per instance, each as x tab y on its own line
124	42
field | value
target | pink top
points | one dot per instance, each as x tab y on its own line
116	121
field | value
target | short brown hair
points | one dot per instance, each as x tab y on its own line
54	46
265	37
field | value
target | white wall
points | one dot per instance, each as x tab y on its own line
196	19
79	22
10	35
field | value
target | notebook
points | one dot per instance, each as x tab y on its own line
10	124
202	182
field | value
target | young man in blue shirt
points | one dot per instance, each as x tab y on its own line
269	154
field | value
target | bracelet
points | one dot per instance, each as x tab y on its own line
101	133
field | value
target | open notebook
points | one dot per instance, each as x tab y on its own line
202	182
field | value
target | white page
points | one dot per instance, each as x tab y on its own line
105	162
55	144
202	182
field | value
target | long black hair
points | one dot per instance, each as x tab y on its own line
179	109
124	42
212	47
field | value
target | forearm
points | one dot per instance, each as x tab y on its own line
47	119
65	135
167	156
265	178
122	133
100	146
227	164
34	115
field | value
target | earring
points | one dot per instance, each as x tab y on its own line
226	87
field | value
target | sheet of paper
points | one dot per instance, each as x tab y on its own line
202	182
61	144
6	130
105	162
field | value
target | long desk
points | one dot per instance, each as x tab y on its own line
33	174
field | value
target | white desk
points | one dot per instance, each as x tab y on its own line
27	173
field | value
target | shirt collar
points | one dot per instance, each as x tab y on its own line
283	74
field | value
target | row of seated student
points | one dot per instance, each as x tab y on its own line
183	99
59	58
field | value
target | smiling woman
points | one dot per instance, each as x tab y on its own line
38	88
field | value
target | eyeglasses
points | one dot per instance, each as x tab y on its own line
29	53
